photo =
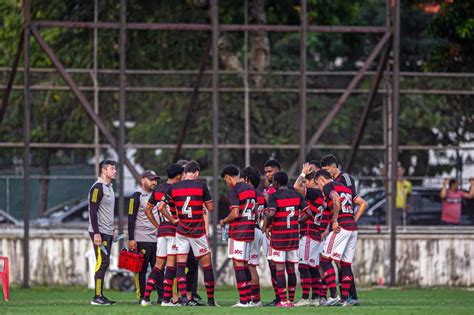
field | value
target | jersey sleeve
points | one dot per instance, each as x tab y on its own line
133	205
95	197
152	199
206	193
272	202
167	196
233	198
328	189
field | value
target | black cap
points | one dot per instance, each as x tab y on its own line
150	175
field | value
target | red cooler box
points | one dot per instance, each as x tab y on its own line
131	261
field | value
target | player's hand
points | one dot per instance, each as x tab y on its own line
175	221
132	245
306	168
221	223
97	239
335	227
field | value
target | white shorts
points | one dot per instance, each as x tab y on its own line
166	246
258	242
283	256
309	251
199	246
238	250
340	246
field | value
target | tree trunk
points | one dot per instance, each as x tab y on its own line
260	45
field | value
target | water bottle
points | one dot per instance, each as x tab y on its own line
225	234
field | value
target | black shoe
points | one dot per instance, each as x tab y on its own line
272	303
212	303
111	302
101	300
194	302
159	300
184	301
197	297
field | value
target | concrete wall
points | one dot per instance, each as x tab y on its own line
60	257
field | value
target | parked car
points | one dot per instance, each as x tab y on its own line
424	208
74	215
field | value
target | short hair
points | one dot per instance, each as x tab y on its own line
315	163
272	163
322	173
329	160
182	162
192	167
452	181
310	176
174	170
105	163
281	178
252	175
230	170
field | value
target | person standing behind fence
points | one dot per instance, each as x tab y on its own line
101	225
142	234
404	189
452	197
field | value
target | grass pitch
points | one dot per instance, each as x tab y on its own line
75	300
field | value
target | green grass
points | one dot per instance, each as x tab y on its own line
75	300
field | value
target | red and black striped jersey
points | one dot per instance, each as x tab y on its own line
244	197
189	197
261	205
346	213
315	201
287	204
166	227
348	181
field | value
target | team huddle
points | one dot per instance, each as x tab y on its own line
311	223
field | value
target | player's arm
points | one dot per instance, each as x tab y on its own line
336	201
95	197
133	205
470	194
207	198
269	214
363	205
299	185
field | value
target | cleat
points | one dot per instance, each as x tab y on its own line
145	303
169	304
332	301
212	303
255	304
101	300
284	304
197	297
241	305
351	302
272	303
303	302
194	302
184	301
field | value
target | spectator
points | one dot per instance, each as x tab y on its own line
404	189
452	197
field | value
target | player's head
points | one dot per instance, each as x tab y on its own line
280	179
329	163
175	171
251	176
311	180
192	169
400	171
315	165
149	180
108	169
453	184
230	174
322	178
270	168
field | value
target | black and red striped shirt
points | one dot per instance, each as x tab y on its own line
261	204
166	227
346	213
244	197
315	201
348	181
287	204
189	197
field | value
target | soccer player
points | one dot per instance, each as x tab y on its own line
101	225
284	209
166	253
141	232
251	176
189	197
270	168
329	163
340	244
243	203
310	238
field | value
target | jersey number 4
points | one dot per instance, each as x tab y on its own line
249	210
187	210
